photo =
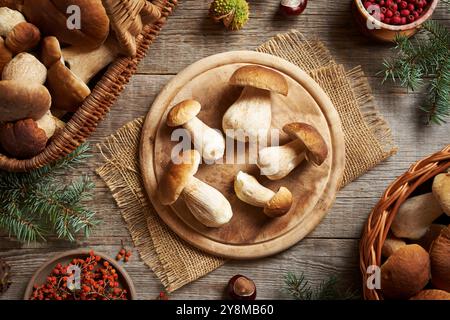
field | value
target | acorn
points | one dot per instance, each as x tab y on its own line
241	288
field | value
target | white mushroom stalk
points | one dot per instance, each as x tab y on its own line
209	142
277	162
85	63
250	117
250	191
417	214
207	204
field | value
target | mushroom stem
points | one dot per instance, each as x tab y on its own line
249	190
207	204
415	216
209	142
86	63
254	104
277	162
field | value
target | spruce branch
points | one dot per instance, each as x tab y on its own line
38	204
299	288
425	59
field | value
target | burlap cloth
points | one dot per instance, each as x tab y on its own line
367	136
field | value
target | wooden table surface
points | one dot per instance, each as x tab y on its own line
332	249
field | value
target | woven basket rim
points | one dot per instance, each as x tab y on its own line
105	93
380	219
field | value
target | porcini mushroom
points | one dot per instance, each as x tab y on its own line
85	63
51	17
250	116
432	294
405	272
207	204
209	142
432	233
23	37
22	100
277	162
5	55
249	190
9	18
390	245
27	138
25	67
416	214
50	51
440	261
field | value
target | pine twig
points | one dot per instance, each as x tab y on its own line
299	288
37	204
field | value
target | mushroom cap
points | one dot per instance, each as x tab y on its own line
432	294
51	18
51	51
5	55
23	139
24	37
25	68
311	138
261	78
178	175
22	100
67	90
183	112
9	19
280	204
441	191
440	261
405	272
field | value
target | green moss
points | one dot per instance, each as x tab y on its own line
233	13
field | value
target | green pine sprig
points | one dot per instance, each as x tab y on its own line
330	289
36	205
424	59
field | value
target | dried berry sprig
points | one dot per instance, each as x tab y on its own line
5	276
123	254
98	281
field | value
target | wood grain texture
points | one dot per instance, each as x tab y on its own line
333	247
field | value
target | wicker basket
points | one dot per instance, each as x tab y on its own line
380	220
84	122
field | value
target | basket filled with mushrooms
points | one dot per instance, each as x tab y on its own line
62	66
405	246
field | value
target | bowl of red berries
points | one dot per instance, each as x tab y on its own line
80	275
383	20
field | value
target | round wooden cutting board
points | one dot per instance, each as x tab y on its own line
249	234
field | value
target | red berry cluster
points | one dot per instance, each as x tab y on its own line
123	254
98	281
396	12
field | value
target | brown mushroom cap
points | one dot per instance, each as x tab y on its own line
23	139
183	112
432	233
261	78
405	272
432	294
5	55
51	18
51	51
311	138
441	191
12	4
280	204
23	100
440	261
67	90
178	175
24	37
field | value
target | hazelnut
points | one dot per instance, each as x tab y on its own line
241	288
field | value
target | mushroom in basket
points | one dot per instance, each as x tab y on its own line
278	161
207	204
250	116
